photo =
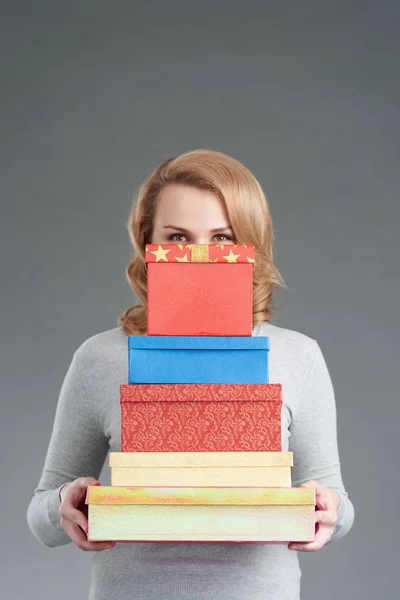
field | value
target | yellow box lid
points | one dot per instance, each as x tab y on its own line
200	459
200	495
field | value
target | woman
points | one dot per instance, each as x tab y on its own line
199	197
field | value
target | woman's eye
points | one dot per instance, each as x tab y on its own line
174	235
180	238
222	235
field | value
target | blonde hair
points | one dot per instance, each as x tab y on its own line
248	212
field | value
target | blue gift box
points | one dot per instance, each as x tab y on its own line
197	359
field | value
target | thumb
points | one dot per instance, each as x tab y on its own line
81	485
313	484
86	481
80	488
310	484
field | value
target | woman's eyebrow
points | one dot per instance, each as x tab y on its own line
187	231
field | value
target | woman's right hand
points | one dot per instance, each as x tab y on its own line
73	514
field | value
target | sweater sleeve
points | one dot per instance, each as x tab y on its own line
313	440
77	448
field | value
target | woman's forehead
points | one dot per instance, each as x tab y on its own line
185	206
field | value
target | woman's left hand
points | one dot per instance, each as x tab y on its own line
327	503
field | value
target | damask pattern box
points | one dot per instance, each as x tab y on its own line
199	289
197	359
200	417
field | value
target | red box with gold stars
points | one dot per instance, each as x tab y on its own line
200	289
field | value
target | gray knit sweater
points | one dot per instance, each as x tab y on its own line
88	424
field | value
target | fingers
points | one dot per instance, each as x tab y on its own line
73	505
77	491
326	517
324	499
80	539
317	487
75	525
321	537
68	513
73	515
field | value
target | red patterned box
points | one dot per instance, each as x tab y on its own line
199	289
201	417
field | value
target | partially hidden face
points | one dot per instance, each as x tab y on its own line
189	215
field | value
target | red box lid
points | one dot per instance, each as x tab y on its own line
203	253
208	392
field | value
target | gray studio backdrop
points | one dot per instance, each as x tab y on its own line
93	96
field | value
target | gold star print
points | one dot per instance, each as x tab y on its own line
250	259
215	260
222	246
232	258
183	259
160	254
180	246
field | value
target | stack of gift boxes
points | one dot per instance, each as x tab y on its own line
201	457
